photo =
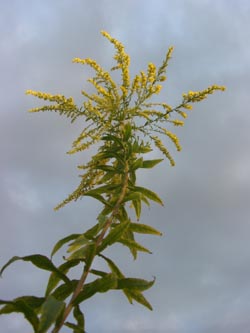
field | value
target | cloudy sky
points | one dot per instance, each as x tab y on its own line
202	263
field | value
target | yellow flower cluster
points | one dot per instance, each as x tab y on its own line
151	72
158	143
197	96
177	122
122	58
51	98
174	139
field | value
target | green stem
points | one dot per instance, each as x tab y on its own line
85	273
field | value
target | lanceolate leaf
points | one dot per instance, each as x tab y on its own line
64	290
39	261
51	309
74	327
54	279
77	243
148	193
134	245
134	284
63	241
137	207
138	297
31	301
100	285
114	268
148	164
114	235
26	305
144	229
79	318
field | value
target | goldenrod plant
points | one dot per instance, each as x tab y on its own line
123	125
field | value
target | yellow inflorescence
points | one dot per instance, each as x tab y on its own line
197	96
112	103
46	96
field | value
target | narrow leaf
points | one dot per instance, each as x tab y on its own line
114	268
32	301
144	229
77	243
137	207
100	285
149	194
138	297
51	309
64	290
114	235
25	305
54	279
79	317
148	164
63	241
134	245
39	261
134	284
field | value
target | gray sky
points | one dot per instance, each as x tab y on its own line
202	263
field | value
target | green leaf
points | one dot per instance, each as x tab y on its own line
51	309
25	305
134	245
63	241
97	197
77	243
114	268
131	196
114	235
103	189
144	229
92	232
148	164
32	301
39	261
138	297
130	236
112	138
134	284
148	193
100	285
64	290
91	252
54	279
79	317
74	327
137	164
127	131
137	207
98	273
79	254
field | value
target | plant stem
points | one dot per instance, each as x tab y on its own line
85	273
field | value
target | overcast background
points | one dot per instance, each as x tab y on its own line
202	263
